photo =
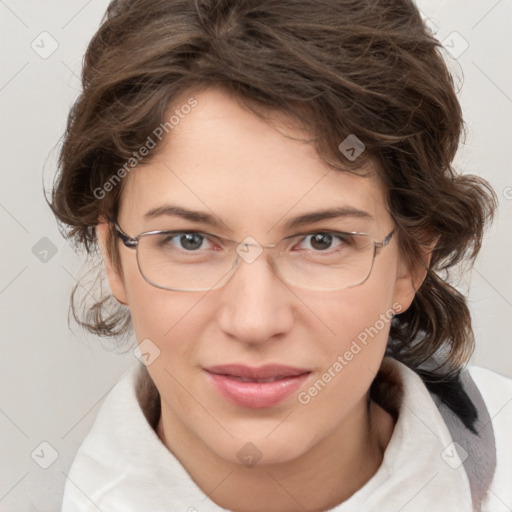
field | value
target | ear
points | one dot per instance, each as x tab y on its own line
115	279
410	278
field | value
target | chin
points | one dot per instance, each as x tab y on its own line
260	448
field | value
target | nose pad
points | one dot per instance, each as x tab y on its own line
249	249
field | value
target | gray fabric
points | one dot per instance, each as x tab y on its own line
480	462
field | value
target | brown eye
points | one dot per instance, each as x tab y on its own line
321	241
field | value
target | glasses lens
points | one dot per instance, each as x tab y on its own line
177	261
185	261
346	262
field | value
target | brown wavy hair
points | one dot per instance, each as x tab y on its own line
367	67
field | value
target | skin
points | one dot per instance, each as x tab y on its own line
224	160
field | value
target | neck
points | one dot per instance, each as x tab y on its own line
322	477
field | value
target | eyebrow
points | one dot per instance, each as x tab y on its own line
211	220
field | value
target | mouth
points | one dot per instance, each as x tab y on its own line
258	388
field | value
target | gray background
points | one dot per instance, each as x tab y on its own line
54	378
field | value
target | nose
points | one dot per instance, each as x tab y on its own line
256	306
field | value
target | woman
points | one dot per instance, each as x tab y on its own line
270	187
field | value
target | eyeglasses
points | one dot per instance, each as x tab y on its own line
190	260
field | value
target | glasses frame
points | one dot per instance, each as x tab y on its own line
133	243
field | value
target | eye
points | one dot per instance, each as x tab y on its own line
321	242
186	241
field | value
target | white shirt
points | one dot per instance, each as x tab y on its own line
122	465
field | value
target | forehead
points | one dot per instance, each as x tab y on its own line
223	159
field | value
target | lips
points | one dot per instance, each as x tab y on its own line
256	387
269	371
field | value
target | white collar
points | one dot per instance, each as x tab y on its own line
123	465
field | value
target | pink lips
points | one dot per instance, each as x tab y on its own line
256	387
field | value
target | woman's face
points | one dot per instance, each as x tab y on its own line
225	162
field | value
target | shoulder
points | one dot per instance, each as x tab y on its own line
122	464
496	391
488	380
95	472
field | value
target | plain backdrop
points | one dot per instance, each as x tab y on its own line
53	377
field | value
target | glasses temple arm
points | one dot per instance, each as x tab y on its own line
386	240
127	240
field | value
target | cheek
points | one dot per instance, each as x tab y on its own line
359	320
167	317
162	316
362	313
173	323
